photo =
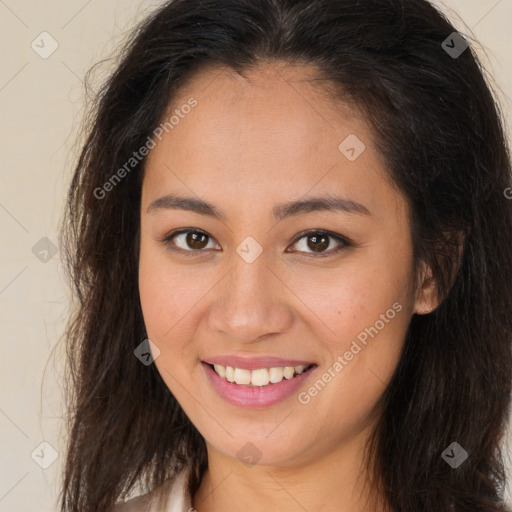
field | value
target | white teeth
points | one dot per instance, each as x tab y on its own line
276	375
259	377
220	370
242	376
230	374
288	372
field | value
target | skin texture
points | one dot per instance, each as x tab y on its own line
248	145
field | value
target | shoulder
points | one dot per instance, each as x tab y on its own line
143	503
138	504
175	490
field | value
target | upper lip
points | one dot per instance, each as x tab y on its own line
254	362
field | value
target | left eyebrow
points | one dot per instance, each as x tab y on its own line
316	204
280	212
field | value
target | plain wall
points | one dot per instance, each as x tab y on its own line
41	107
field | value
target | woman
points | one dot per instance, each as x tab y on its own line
290	238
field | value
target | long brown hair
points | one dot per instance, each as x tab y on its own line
438	126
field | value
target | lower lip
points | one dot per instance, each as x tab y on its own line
255	396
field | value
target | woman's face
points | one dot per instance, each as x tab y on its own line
254	280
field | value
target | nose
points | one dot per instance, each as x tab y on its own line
251	303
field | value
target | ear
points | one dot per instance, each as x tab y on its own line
427	299
426	295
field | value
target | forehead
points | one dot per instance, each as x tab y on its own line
277	128
291	102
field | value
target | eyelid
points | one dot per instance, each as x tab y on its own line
344	241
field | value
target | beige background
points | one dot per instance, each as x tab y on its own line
41	104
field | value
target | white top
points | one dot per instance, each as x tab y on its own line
178	499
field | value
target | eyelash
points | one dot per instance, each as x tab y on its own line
193	252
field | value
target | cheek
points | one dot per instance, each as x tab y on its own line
361	313
163	292
154	292
170	297
166	296
366	317
351	298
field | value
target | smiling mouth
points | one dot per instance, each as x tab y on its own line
259	377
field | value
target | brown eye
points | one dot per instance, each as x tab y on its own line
195	240
317	242
187	240
190	241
